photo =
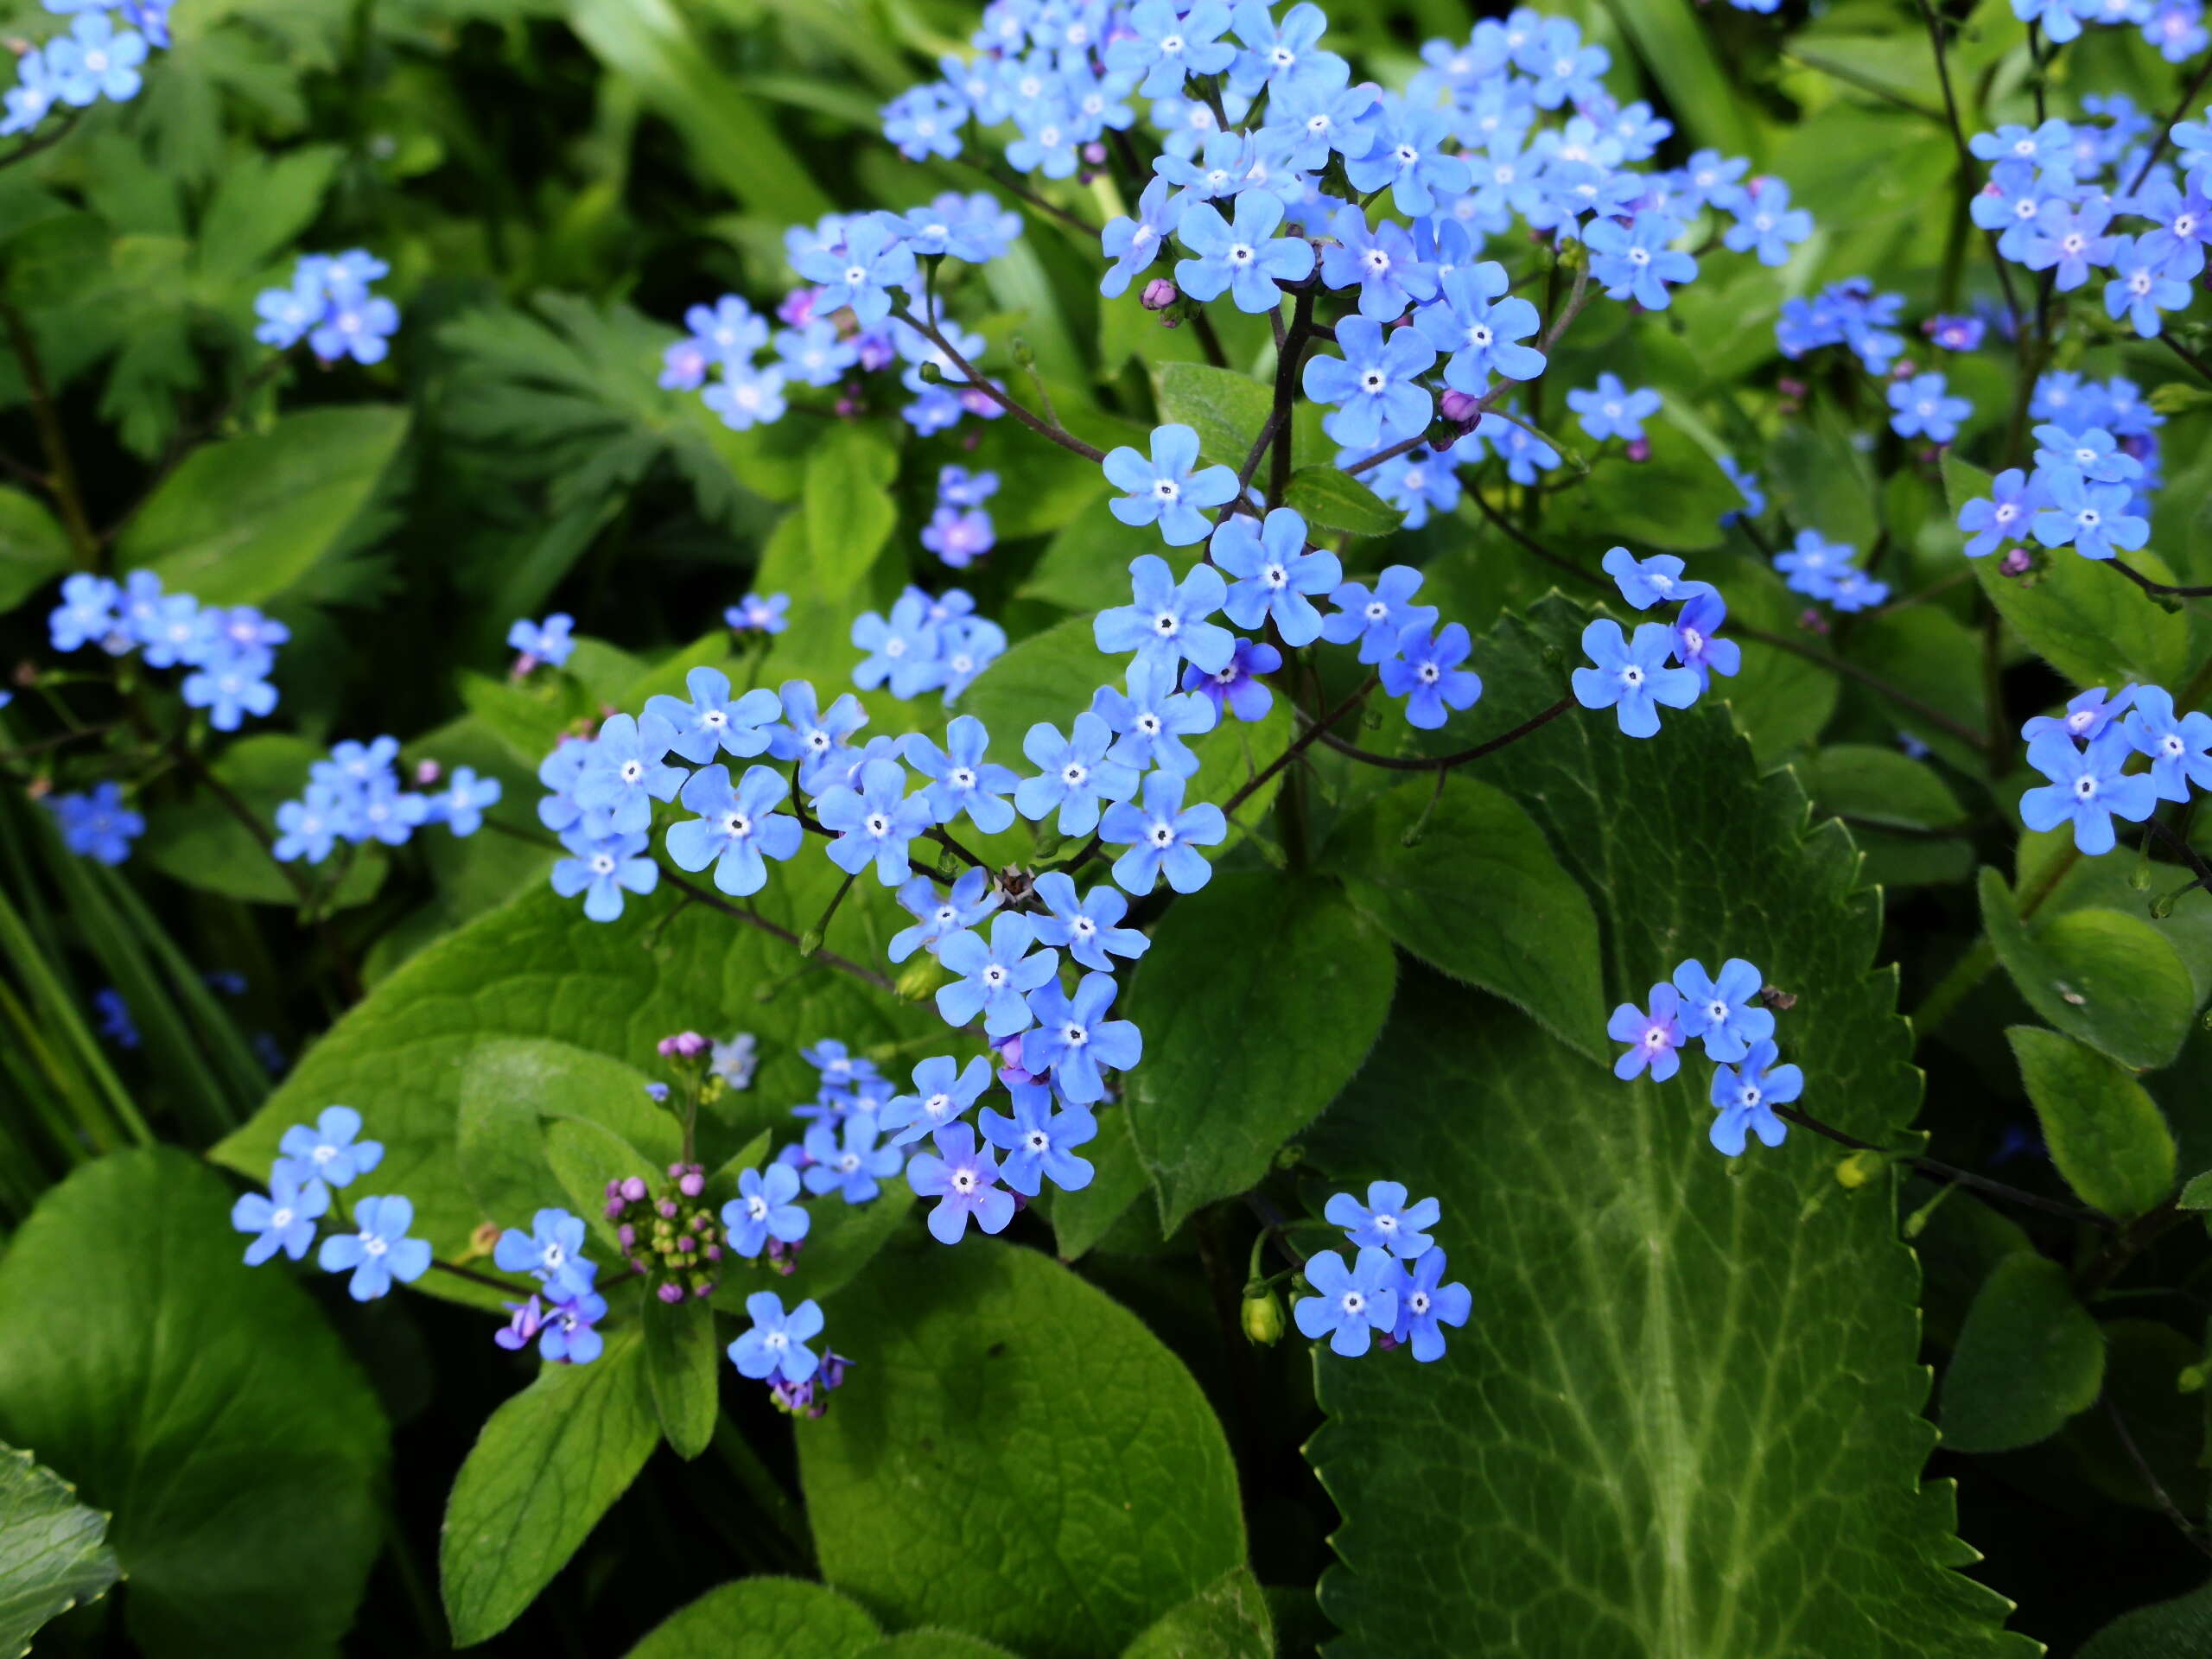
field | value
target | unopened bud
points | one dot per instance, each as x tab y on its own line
1861	1168
671	1294
482	1239
1812	621
2015	563
1159	295
685	1045
931	374
1019	350
1262	1316
1639	449
426	773
809	941
1459	407
633	1189
691	1183
919	980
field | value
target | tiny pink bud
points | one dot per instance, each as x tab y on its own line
426	773
671	1293
615	1187
2015	563
1159	295
633	1189
796	309
1639	449
1095	153
626	1236
524	664
1812	621
615	1208
1788	387
713	1252
1459	408
667	1208
691	1183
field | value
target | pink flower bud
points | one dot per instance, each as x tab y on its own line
1639	449
633	1189
426	773
1458	407
796	309
691	1183
1812	621
671	1294
2015	563
1159	295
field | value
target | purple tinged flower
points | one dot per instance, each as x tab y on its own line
936	918
568	1336
1275	571
1166	620
1168	489
1653	1039
1163	837
1243	257
1237	683
1378	617
1037	1139
603	868
1374	384
1086	928
1427	672
2087	787
847	1160
2003	515
875	822
1633	677
378	1251
1723	1012
2087	713
1746	1097
1385	1221
965	1181
2180	747
2093	517
330	1152
553	1249
764	1208
1351	1306
1151	722
1073	1038
1697	646
521	1330
1480	325
1077	774
774	1346
1426	1305
284	1220
1955	333
962	781
625	774
959	538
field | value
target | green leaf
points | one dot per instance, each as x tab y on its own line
1245	1045
984	1482
52	1555
1479	896
1672	500
1683	1419
2112	980
849	513
242	520
2029	1358
584	1155
260	205
2091	625
549	1462
764	1618
1228	1620
1224	408
930	1642
2105	1132
1082	1217
33	548
201	843
2180	1629
2197	1195
683	1363
204	1402
1086	567
1863	783
1336	500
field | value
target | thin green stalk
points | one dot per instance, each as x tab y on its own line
58	1011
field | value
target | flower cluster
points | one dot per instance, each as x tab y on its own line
926	644
960	530
1633	676
313	1167
355	796
228	652
328	304
1729	1015
773	1351
563	1317
1829	571
1394	1291
2085	751
2095	465
1849	313
95	60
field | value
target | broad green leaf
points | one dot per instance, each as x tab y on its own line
2105	1133
202	844
1228	1620
932	1644
1683	1419
204	1402
1086	567
1258	1001
849	513
2180	1629
242	520
1781	700
2112	980
1224	408
843	1238
1081	1218
1935	658
2197	1194
34	550
764	1618
2029	1358
2092	625
683	1363
1672	500
52	1550
585	1155
1332	500
983	1481
1862	784
1480	896
548	1464
1822	480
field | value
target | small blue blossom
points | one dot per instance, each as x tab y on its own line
284	1220
603	868
736	829
2180	747
872	259
1766	223
774	1345
1274	571
378	1250
746	396
764	1208
1922	407
1152	721
1645	582
1480	325
1746	1097
875	822
1382	263
553	1249
944	1090
1426	1305
1811	566
713	723
1696	644
1037	1140
1133	244
1352	1305
2087	787
1385	1221
754	614
1073	1038
847	1160
2002	516
1610	409
1634	261
1426	673
1086	928
1409	154
1723	1011
1076	775
1237	683
1164	45
994	980
1378	617
2091	451
2140	288
1242	256
965	1182
1167	490
1375	384
1633	677
2094	518
1653	1039
568	1336
329	1151
86	615
1166	620
962	780
625	774
1163	837
2087	713
938	918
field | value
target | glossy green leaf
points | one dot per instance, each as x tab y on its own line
1086	567
764	1618
1672	500
2198	1193
2029	1358
2110	979
1224	408
1480	896
53	1553
983	1482
1081	1218
1332	500
34	550
243	519
932	1643
1228	1620
510	1088
202	844
549	1462
205	1403
2106	1135
849	513
1258	1001
2180	1629
1864	785
1683	1419
684	1365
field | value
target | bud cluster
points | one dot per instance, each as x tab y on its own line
671	1238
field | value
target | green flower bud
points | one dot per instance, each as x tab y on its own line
1263	1320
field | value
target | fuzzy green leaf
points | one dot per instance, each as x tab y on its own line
33	548
764	1618
53	1553
2105	1132
1332	500
683	1364
2112	980
2029	1358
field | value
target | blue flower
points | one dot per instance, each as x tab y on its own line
1073	1038
1134	244
775	1345
603	868
624	774
727	331
872	259
1696	647
847	1160
2180	747
962	780
712	724
1237	683
765	1209
1164	46
86	615
1165	621
2069	238
175	632
1723	1011
2184	224
963	1181
1610	409
2091	452
94	60
1409	154
809	734
568	1336
1037	1139
753	614
1385	1221
1654	1040
994	980
2047	145
925	121
1813	566
379	1251
937	919
327	1153
1275	570
1378	618
1747	486
1634	261
2004	515
385	813
461	808
944	1090
1322	116
1633	677
284	1220
2087	787
98	825
1524	453
1087	927
1655	581
2093	517
1746	1098
875	822
1382	262
902	650
1427	672
1416	483
309	827
1766	223
1921	408
746	396
1480	324
1374	384
1352	1305
1163	838
1077	776
553	1249
1282	55
1167	490
115	1023
230	685
32	97
1151	722
1244	258
2142	289
2088	713
1426	1305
